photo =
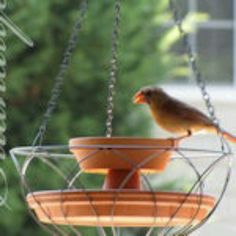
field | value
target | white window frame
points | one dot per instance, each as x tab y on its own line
220	95
215	24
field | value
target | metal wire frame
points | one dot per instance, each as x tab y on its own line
72	179
193	64
25	185
195	68
49	154
203	176
5	22
63	69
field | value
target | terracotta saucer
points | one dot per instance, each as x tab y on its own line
124	209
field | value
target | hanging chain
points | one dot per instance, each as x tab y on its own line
59	80
193	63
113	69
197	74
6	22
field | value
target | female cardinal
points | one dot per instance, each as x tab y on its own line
176	116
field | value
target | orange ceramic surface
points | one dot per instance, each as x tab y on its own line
98	155
124	209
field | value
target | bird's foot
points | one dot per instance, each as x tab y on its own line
188	134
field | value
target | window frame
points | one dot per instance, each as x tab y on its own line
226	24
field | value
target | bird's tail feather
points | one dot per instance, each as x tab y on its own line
229	137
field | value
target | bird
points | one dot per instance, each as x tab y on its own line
175	116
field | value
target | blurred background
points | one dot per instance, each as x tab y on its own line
150	53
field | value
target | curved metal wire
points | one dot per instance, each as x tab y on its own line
5	22
59	80
22	172
225	185
225	148
190	163
47	153
178	20
48	156
136	167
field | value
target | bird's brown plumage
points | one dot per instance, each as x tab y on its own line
176	116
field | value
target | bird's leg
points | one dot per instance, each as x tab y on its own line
188	134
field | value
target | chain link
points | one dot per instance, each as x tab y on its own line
59	80
197	74
73	41
193	63
113	69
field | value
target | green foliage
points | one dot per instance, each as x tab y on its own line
143	59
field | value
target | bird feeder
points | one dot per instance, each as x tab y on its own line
121	202
126	198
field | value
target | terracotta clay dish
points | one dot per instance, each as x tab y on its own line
122	159
110	208
98	155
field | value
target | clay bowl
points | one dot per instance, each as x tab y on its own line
98	155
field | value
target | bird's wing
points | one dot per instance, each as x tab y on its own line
186	112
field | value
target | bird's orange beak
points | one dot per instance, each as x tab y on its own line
139	98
